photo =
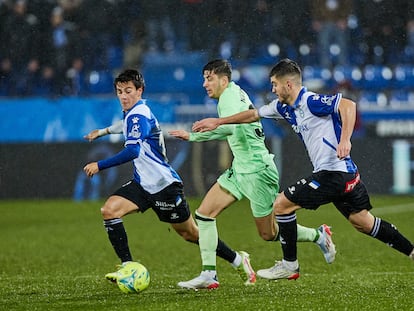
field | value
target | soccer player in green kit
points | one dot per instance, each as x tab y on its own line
253	175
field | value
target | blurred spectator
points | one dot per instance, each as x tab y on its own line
7	78
20	35
99	23
383	28
295	13
193	24
160	35
330	23
61	43
28	82
409	28
218	38
251	24
47	85
134	44
77	78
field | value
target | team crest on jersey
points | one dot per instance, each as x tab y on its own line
135	133
327	100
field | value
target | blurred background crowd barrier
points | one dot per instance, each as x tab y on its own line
58	59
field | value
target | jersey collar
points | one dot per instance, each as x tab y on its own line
140	102
298	99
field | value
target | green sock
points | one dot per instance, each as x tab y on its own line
207	241
306	234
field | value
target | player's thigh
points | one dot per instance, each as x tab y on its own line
188	229
216	200
116	207
283	205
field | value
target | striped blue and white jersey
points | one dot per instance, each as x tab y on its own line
151	168
316	120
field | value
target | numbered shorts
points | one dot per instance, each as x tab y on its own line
169	204
261	188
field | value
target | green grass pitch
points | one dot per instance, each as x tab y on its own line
54	255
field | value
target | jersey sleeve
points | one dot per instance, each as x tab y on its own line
219	133
127	154
322	105
270	110
137	129
116	128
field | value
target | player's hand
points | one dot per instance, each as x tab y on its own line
92	135
181	134
344	149
205	125
91	169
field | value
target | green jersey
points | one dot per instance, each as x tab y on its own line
246	141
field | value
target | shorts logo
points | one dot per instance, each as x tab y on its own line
314	184
292	189
174	216
350	185
164	206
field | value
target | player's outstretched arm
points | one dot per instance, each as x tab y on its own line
210	124
115	128
181	134
95	134
207	124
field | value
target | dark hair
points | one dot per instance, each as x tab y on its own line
130	75
285	67
219	67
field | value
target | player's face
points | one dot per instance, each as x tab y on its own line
128	94
214	84
281	88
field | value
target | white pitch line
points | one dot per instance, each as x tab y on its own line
393	209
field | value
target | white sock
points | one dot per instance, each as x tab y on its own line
291	265
237	261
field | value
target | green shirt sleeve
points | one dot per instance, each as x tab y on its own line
220	133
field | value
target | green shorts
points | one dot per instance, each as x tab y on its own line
261	188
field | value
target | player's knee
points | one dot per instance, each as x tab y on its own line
106	212
267	236
110	210
189	236
278	208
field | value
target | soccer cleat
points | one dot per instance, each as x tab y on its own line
326	244
278	271
245	269
113	276
203	281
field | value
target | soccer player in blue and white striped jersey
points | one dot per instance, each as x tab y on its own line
155	184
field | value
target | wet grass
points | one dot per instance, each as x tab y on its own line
54	254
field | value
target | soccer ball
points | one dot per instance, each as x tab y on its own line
133	278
